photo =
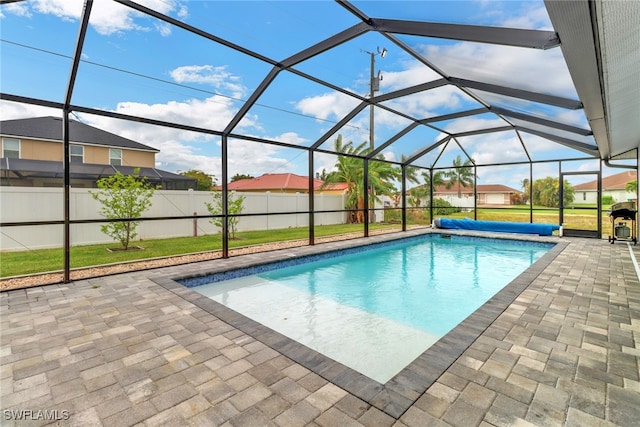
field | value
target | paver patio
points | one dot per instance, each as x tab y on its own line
129	349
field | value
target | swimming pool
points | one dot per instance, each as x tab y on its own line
374	308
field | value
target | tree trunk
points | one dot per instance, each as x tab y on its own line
360	212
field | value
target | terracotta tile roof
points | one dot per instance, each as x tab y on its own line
281	182
611	182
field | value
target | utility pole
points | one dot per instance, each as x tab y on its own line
374	86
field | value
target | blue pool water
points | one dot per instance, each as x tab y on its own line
376	309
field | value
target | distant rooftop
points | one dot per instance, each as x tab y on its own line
611	182
281	182
481	188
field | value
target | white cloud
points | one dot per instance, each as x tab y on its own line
414	73
330	105
492	148
163	28
18	8
530	69
256	159
15	110
533	16
176	156
573	117
217	77
214	112
430	103
107	17
184	150
473	123
289	138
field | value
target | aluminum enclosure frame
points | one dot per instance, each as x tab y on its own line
389	28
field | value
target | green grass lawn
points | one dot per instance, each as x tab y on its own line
45	260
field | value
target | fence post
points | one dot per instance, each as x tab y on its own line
195	224
268	202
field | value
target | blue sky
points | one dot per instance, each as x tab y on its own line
138	65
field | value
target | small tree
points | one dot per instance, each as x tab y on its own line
123	197
546	192
240	176
205	182
235	205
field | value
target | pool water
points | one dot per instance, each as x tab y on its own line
376	310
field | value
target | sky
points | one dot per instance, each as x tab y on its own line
138	65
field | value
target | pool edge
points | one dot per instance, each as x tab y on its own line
399	393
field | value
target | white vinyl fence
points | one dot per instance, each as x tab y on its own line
24	204
459	202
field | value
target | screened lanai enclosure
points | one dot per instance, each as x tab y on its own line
308	121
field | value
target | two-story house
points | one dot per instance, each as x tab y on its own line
32	156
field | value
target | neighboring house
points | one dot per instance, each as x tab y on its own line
284	183
612	185
488	194
32	156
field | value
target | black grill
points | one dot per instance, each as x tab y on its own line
621	212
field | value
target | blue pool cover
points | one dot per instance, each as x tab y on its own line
503	227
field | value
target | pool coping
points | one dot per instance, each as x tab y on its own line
398	394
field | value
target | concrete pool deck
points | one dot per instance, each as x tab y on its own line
138	349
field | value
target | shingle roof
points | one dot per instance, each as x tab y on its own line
281	182
611	182
50	128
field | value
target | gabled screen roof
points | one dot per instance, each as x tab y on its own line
405	76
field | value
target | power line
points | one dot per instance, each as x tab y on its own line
180	85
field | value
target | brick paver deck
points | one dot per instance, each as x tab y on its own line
132	349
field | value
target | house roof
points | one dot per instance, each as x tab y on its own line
281	182
50	128
27	168
611	182
481	188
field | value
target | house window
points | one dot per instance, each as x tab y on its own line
11	148
76	153
584	195
115	156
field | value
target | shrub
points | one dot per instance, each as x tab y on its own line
442	207
607	200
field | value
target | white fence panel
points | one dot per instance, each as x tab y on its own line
23	204
31	204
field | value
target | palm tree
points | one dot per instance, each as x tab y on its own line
349	168
424	190
526	190
437	180
461	173
411	173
